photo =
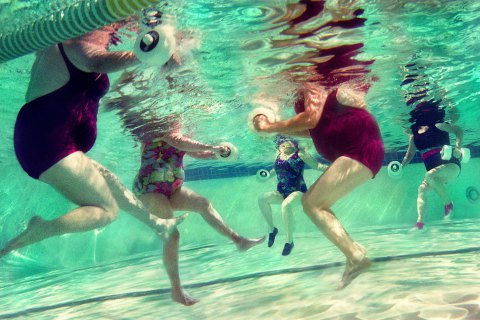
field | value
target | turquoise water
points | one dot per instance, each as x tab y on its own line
116	272
427	275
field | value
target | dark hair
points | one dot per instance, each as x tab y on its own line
427	113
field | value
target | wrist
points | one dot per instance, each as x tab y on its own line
269	127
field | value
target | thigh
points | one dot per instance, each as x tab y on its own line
444	173
78	179
185	199
292	199
272	197
157	204
343	175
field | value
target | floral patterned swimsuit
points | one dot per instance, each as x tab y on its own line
290	175
161	170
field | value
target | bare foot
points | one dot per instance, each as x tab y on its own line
184	298
32	234
244	244
353	270
165	227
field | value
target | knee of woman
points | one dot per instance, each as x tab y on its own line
110	214
262	198
423	187
204	204
307	204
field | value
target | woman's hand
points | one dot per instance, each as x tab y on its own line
302	152
261	123
222	151
457	153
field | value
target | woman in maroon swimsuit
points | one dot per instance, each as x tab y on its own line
346	134
57	126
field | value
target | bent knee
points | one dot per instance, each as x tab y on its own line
423	187
286	206
107	214
203	204
264	197
309	203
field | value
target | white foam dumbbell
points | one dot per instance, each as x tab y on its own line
232	154
395	170
155	46
265	111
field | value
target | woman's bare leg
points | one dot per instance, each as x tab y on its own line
127	202
185	199
287	209
435	179
338	180
423	190
160	205
441	175
265	202
80	182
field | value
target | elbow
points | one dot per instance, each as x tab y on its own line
310	123
95	65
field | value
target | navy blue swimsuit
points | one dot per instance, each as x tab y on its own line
290	175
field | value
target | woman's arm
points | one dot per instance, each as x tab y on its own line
91	57
314	102
184	143
453	129
273	173
312	163
301	134
210	155
410	151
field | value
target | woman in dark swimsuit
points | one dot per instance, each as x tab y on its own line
428	135
288	168
57	126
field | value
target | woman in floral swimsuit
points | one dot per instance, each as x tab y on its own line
159	185
162	169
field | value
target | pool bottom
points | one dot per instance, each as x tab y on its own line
431	274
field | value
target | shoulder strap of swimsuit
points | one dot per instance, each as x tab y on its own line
71	68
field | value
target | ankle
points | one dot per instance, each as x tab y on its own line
358	256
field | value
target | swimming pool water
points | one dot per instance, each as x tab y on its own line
116	272
415	275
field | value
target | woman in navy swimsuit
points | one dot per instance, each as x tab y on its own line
288	167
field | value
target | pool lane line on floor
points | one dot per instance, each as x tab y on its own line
229	280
